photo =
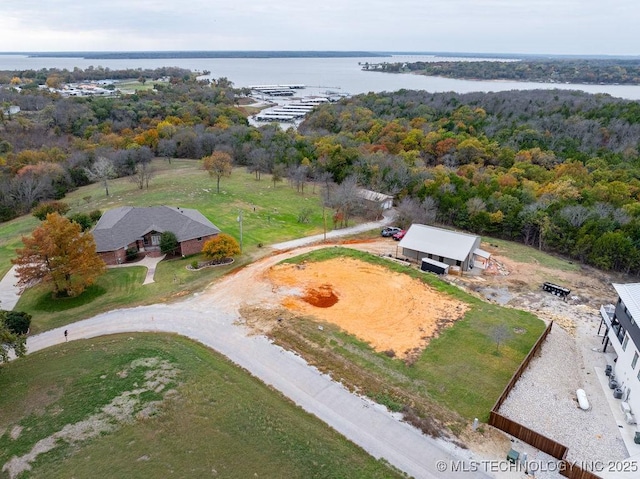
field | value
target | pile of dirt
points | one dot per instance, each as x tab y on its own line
390	311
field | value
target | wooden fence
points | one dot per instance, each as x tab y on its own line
574	472
529	436
537	440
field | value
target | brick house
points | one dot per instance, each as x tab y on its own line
140	229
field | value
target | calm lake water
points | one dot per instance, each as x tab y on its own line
337	74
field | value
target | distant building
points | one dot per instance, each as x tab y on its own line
623	334
140	229
384	202
444	246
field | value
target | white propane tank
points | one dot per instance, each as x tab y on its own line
583	402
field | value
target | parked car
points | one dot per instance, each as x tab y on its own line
389	231
399	235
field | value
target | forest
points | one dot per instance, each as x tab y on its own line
555	169
584	71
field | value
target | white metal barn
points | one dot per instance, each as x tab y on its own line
445	246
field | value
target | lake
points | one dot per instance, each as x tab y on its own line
336	74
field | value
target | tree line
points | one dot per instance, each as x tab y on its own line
556	169
589	71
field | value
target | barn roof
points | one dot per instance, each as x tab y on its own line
439	242
122	226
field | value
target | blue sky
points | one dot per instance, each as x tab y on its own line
584	27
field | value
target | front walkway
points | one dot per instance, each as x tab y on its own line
148	262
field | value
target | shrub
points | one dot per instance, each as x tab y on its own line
17	322
43	209
83	220
95	215
194	264
221	247
131	254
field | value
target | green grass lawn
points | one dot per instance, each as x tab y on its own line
530	255
269	214
463	369
118	288
218	422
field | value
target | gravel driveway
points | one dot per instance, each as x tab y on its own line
211	318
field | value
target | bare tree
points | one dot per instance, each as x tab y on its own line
500	334
258	162
167	148
298	176
345	200
575	215
102	171
27	189
409	211
143	174
278	173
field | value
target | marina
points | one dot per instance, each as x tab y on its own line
285	106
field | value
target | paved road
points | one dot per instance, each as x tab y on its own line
9	292
388	217
363	422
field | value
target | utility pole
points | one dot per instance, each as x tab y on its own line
240	221
324	222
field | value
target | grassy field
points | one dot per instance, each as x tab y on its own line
119	287
215	421
529	255
269	214
463	370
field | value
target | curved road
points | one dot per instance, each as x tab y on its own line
213	319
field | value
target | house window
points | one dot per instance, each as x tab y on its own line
155	240
635	360
440	258
458	263
625	342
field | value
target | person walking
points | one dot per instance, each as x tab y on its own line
66	333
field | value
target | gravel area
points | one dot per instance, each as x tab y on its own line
544	399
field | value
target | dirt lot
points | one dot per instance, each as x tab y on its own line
390	311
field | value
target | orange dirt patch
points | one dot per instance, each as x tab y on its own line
390	311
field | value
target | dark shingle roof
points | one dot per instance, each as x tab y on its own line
122	226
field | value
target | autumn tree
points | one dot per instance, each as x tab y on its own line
218	164
43	209
220	247
102	171
59	252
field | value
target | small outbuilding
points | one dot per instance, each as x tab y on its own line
443	246
380	200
